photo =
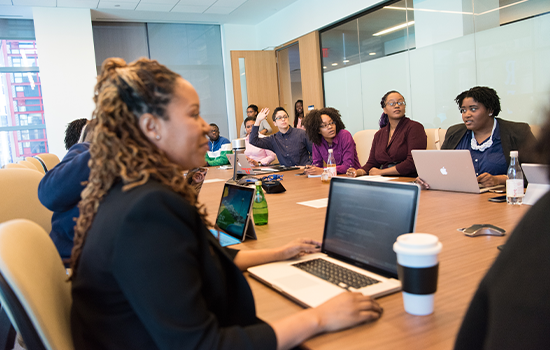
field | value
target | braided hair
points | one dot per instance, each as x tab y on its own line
119	150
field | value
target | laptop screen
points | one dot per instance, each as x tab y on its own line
234	210
365	218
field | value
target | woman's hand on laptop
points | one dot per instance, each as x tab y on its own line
299	247
346	310
423	184
488	180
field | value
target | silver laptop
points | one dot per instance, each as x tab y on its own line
234	222
245	168
363	220
448	170
538	182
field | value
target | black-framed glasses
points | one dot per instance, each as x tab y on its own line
279	118
326	125
398	103
273	177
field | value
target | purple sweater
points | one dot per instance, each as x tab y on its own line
343	148
407	136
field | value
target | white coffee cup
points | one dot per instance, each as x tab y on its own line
417	261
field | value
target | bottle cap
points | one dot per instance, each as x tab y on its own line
330	150
513	153
258	183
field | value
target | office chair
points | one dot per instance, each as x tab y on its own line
49	159
29	165
363	143
34	287
436	137
36	163
19	189
15	166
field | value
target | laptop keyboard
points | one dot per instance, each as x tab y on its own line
335	274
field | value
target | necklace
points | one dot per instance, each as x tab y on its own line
473	144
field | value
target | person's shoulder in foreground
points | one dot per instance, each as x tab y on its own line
510	308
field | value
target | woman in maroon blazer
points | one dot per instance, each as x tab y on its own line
391	148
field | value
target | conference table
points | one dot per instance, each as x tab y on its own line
463	260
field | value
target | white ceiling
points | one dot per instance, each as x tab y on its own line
249	12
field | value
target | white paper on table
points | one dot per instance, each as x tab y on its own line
375	178
214	180
311	175
316	203
226	167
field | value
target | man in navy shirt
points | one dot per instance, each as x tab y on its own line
291	145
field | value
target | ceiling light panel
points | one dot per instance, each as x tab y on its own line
118	5
89	4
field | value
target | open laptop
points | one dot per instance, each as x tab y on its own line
363	220
245	168
234	222
448	170
538	182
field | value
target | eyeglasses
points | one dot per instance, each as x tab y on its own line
326	125
273	177
399	103
279	118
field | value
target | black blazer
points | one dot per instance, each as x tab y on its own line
151	276
514	137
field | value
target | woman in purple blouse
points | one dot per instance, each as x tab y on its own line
391	148
325	129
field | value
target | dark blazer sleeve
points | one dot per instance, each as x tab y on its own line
453	136
416	139
157	263
60	188
518	137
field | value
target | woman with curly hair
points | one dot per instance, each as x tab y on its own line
325	129
147	273
390	153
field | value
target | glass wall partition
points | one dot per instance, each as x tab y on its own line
191	50
430	51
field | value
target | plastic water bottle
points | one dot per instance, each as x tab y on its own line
331	163
514	183
259	208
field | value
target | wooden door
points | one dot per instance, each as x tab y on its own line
260	69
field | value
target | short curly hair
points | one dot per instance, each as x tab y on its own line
73	131
484	95
313	121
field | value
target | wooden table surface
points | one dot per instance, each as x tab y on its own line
463	260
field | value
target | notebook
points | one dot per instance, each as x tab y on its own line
363	220
245	168
448	170
538	182
234	221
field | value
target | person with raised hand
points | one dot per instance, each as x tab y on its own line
146	271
